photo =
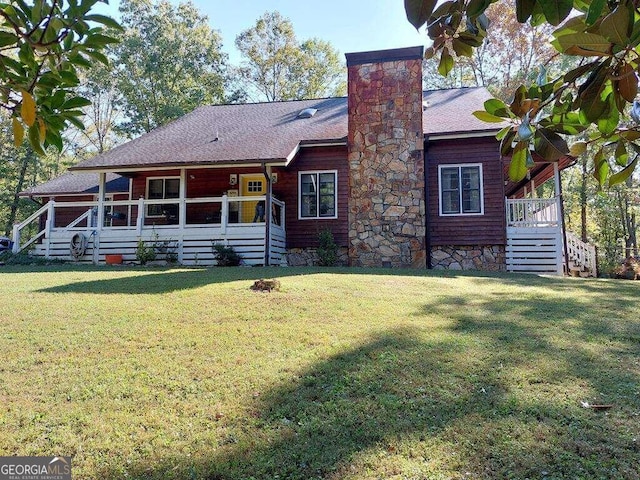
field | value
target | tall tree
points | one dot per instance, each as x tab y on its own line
599	94
168	62
278	67
42	48
513	55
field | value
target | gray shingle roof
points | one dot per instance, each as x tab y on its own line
77	183
263	132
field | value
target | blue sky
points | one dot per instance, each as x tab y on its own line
350	25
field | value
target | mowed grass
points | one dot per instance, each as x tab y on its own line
343	374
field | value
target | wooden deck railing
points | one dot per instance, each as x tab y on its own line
533	212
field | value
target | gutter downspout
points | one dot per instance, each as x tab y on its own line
266	170
427	210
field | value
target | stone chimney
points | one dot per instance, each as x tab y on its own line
386	161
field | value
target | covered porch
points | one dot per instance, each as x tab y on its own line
537	240
169	216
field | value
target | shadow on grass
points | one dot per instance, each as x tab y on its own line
493	396
158	281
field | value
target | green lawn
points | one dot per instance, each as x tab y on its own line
367	374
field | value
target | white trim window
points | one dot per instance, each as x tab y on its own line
162	188
461	189
318	194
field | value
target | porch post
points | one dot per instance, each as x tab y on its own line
182	212
101	190
102	176
49	225
140	218
556	179
182	208
267	217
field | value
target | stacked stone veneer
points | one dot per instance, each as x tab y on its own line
386	161
308	257
472	257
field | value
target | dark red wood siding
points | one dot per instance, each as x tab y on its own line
487	229
304	233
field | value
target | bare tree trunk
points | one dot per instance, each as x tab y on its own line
583	200
13	210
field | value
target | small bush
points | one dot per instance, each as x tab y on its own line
629	270
225	255
327	250
23	258
145	253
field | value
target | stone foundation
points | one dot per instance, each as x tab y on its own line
308	257
469	257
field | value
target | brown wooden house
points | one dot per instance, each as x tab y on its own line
401	177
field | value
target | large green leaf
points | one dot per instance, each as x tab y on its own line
601	168
621	154
584	44
518	166
549	145
496	107
594	12
616	26
555	11
524	9
487	117
446	63
623	174
419	11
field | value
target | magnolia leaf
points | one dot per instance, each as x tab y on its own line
615	26
461	48
446	63
549	145
555	11
518	166
524	9
591	104
507	141
518	100
106	21
635	111
627	83
608	120
419	11
621	155
601	168
28	108
75	102
525	131
594	12
476	7
583	44
42	129
496	107
629	135
487	117
578	149
18	132
503	133
34	139
623	174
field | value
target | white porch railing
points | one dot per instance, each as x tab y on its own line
533	212
212	219
582	254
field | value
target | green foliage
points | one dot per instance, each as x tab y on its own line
169	62
596	95
280	68
145	252
43	47
225	255
327	249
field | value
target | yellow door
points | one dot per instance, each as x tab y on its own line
252	185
